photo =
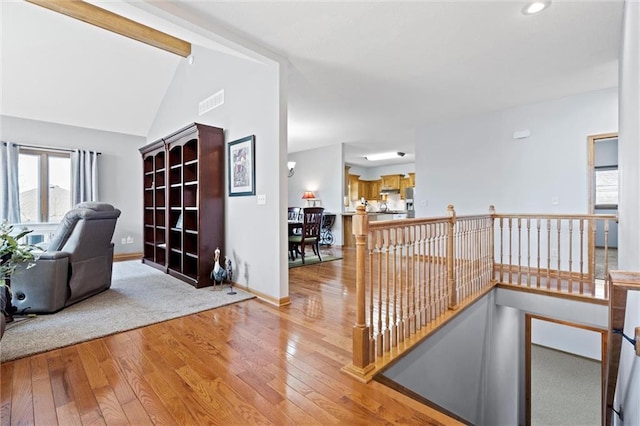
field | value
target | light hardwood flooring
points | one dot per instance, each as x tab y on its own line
247	363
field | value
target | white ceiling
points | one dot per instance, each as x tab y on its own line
362	73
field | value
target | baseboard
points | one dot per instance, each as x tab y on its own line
283	301
127	256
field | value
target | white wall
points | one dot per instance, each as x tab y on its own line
255	234
448	367
628	390
374	173
585	343
120	167
474	162
503	364
474	366
319	170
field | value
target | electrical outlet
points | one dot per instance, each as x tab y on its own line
123	241
129	239
262	199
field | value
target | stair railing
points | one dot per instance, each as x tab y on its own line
412	275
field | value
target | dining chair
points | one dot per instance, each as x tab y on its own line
293	213
310	236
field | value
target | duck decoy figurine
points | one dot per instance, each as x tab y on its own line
218	274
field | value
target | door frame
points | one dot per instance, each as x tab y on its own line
591	158
604	335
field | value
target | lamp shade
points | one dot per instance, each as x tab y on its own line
308	195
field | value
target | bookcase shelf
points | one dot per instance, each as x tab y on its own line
183	220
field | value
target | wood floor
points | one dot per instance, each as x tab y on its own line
247	363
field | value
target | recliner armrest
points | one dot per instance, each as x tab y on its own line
53	255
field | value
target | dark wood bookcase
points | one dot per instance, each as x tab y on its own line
184	202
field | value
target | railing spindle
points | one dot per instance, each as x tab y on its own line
606	254
394	329
538	279
378	280
558	279
528	252
548	253
519	251
570	255
411	294
501	252
387	331
581	256
510	253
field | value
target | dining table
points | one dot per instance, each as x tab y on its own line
294	225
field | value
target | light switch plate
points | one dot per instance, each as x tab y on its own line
262	199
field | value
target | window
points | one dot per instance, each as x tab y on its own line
606	187
45	185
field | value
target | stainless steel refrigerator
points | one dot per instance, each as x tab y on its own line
408	199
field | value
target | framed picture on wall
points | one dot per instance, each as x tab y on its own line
242	167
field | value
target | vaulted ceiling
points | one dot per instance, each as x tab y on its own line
362	73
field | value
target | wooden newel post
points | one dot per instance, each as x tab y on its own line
453	293
361	344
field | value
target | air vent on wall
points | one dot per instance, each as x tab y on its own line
211	102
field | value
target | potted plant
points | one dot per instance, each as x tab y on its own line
12	254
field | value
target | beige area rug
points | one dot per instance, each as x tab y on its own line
139	296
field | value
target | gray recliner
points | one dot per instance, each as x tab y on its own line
76	264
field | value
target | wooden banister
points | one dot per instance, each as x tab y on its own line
619	283
361	343
411	274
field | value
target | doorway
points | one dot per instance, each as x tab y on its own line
564	372
603	197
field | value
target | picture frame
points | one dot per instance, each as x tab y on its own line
241	164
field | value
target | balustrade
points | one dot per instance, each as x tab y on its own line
414	273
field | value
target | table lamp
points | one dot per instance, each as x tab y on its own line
309	196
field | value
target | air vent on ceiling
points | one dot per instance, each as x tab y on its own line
211	102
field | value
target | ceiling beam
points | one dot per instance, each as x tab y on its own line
102	18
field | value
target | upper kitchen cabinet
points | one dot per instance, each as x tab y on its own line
374	189
412	179
391	181
354	188
404	184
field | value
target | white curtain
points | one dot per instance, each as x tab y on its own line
84	176
9	191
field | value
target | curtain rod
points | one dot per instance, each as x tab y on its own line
48	148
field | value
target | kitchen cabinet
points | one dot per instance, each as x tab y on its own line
412	179
354	187
373	189
404	184
391	181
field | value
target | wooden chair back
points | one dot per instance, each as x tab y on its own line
311	221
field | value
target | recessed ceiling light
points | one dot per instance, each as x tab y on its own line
384	156
535	7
